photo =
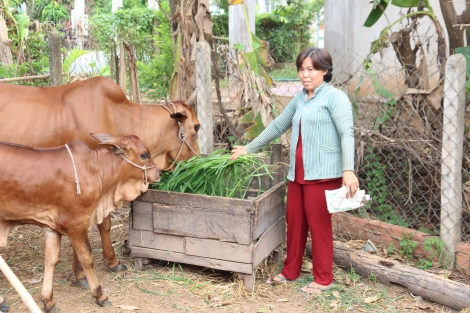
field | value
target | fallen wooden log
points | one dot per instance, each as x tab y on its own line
431	287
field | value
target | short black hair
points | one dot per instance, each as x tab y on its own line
321	60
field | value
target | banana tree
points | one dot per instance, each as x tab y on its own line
5	43
412	54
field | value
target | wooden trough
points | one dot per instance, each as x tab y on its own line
220	233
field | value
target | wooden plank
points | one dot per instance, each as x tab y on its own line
194	260
431	287
229	205
269	241
142	215
149	239
269	207
202	223
220	250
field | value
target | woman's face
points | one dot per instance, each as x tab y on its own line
310	77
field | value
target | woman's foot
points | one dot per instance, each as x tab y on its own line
277	280
314	288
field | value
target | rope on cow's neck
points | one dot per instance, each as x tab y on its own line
181	136
143	168
75	175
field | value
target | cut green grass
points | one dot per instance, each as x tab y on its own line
215	175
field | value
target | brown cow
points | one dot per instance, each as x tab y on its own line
50	117
66	190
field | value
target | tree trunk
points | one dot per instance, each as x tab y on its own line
421	283
5	51
455	33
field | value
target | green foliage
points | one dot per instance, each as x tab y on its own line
72	57
434	247
257	124
39	53
287	72
376	183
389	104
288	28
391	248
154	76
215	175
99	6
54	12
135	26
379	6
465	51
220	27
407	246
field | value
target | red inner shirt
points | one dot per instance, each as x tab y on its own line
299	166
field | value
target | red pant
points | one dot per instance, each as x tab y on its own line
307	209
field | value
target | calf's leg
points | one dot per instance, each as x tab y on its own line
80	278
81	246
51	258
109	256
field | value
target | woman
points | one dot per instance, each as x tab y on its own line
321	158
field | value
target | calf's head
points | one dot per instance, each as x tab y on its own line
132	150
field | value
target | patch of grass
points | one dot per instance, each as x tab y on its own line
288	72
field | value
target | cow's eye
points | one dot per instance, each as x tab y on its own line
144	156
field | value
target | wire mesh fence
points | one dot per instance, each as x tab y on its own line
403	136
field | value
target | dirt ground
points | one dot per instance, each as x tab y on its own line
168	287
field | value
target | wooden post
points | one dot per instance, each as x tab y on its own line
16	283
55	58
276	159
452	147
205	113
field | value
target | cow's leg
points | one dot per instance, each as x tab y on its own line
109	256
3	305
82	248
51	257
80	278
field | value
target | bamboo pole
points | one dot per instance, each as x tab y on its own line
24	294
15	79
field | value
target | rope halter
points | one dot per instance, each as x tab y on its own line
143	168
181	135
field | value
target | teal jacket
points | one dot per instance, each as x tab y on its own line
327	132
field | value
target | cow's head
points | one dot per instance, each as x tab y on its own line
134	152
186	127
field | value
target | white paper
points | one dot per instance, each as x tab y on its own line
337	201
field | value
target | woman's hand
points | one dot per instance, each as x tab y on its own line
351	183
237	151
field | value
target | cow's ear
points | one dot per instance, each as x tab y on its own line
179	116
118	147
111	143
104	138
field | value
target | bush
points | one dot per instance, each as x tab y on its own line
288	28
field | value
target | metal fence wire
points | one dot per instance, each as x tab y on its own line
402	134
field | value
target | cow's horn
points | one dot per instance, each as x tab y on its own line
191	98
167	99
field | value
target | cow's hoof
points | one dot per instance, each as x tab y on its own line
81	283
118	268
105	303
4	307
54	309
